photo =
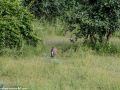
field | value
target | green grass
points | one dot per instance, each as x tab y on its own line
81	70
117	34
91	72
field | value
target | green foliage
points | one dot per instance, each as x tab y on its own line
107	48
117	34
95	20
92	20
50	9
15	25
46	8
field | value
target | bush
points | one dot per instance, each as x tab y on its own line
15	25
107	48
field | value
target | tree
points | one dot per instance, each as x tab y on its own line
15	25
95	20
45	8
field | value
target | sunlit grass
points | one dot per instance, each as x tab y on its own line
81	70
86	73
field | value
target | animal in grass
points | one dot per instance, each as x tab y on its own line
53	51
73	40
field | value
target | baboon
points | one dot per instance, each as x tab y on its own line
53	51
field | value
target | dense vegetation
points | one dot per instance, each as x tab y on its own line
46	8
94	20
15	25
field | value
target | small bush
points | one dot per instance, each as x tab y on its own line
107	48
15	25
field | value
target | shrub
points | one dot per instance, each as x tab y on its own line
15	25
107	48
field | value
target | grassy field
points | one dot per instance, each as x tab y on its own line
88	72
83	70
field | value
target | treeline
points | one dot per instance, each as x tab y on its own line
94	20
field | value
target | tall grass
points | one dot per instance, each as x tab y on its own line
117	34
76	67
51	34
90	72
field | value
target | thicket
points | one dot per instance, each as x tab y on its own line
15	25
93	20
49	9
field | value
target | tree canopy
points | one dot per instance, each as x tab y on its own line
95	20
